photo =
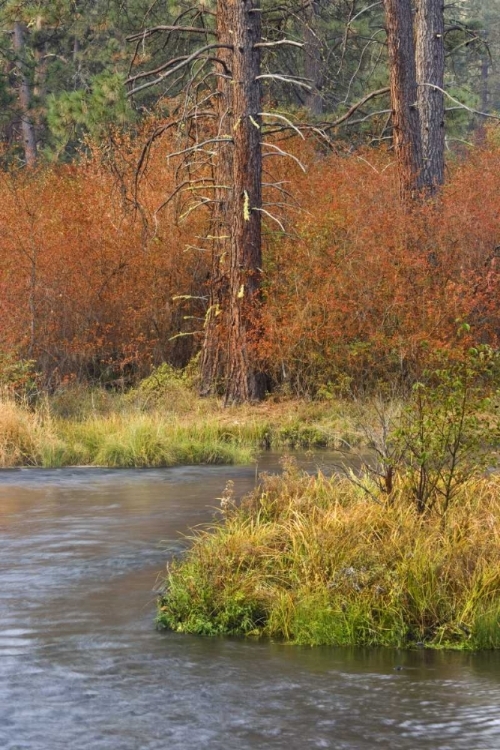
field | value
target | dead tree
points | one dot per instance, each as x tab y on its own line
220	168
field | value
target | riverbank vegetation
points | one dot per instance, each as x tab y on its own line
314	560
357	292
163	423
403	551
152	251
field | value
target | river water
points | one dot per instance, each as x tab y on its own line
82	667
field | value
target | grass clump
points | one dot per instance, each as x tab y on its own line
161	423
18	435
120	439
314	560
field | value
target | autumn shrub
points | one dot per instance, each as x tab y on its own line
19	379
445	431
88	275
314	561
97	284
366	292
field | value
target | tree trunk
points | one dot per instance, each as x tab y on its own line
430	70
232	326
27	127
312	58
403	81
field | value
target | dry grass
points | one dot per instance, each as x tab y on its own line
95	427
315	561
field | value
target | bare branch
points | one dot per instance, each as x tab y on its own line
192	208
183	62
284	153
143	35
461	104
199	146
263	211
279	43
351	110
285	79
369	116
277	186
285	119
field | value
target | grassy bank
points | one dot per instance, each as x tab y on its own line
84	427
314	560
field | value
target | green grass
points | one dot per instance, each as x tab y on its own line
79	426
314	561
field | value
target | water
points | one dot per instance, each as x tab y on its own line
82	667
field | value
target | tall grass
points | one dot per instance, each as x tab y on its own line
315	561
132	440
80	426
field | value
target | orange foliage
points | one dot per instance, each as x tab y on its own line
87	281
361	290
370	292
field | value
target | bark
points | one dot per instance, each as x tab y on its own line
232	326
403	83
312	58
27	127
40	80
430	58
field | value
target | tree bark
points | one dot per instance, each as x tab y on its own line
232	325
403	83
312	58
27	127
429	27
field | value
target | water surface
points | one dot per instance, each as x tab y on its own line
82	667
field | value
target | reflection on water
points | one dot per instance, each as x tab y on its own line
82	667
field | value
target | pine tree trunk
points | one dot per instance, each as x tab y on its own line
403	81
232	326
429	28
312	58
27	127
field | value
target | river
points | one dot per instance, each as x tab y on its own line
83	668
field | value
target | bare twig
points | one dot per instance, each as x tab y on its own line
142	35
351	110
183	62
284	153
285	119
263	211
279	43
461	104
285	79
